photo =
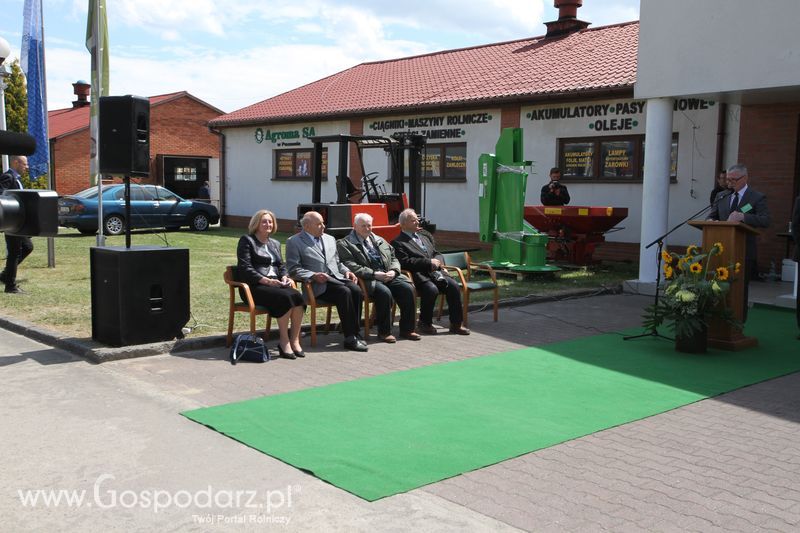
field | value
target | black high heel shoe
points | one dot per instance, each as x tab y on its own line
301	353
285	355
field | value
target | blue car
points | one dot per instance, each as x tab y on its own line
151	207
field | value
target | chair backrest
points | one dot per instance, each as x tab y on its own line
456	259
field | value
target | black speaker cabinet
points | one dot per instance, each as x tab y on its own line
124	135
139	294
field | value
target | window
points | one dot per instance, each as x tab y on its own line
298	164
445	161
608	158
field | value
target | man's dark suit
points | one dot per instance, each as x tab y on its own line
756	216
18	247
355	257
418	260
304	258
796	235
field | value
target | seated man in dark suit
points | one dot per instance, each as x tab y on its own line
311	256
416	252
372	259
745	205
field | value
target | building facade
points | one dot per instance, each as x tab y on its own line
572	93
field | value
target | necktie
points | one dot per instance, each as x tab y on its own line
735	202
419	242
373	254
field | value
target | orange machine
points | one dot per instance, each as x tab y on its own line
574	231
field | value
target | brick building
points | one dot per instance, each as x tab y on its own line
183	152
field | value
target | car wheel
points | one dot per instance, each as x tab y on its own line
87	231
199	222
114	225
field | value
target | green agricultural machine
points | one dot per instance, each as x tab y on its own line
518	246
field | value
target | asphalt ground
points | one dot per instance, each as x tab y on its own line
109	437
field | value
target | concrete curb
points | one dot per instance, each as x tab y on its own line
98	353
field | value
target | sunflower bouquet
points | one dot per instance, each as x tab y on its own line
694	291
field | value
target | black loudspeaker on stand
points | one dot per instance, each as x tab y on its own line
139	294
124	135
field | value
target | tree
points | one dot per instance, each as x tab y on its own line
16	100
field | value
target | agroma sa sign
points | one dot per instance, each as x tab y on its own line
274	136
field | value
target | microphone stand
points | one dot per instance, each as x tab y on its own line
653	331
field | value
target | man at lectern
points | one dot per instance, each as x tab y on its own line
746	205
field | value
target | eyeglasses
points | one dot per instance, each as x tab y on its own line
735	179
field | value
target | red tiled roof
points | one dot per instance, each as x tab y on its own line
589	60
67	121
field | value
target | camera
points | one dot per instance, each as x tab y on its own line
439	279
29	213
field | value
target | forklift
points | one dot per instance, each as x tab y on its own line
372	197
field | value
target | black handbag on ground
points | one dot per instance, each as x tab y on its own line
250	348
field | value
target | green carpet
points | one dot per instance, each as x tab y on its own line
388	434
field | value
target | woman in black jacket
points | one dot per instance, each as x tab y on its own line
261	266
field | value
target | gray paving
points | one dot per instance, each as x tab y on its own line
731	463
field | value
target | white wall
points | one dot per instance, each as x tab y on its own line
454	206
250	166
691	47
696	130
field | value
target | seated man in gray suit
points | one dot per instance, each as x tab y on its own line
311	256
746	205
372	259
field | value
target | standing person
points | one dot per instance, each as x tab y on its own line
416	252
796	236
311	256
204	193
372	259
745	205
18	247
261	266
554	193
720	185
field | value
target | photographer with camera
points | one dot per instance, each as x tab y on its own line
416	252
554	193
18	247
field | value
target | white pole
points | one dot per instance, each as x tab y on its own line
3	74
655	188
97	88
51	252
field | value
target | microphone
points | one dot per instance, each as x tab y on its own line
16	143
725	194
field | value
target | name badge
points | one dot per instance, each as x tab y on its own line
746	208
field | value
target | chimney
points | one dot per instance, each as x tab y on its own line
567	18
82	90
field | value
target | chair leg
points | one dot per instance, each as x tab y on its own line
495	304
466	308
366	318
313	325
229	338
252	324
269	327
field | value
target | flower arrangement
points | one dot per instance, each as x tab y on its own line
694	292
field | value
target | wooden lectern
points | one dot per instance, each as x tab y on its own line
733	236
